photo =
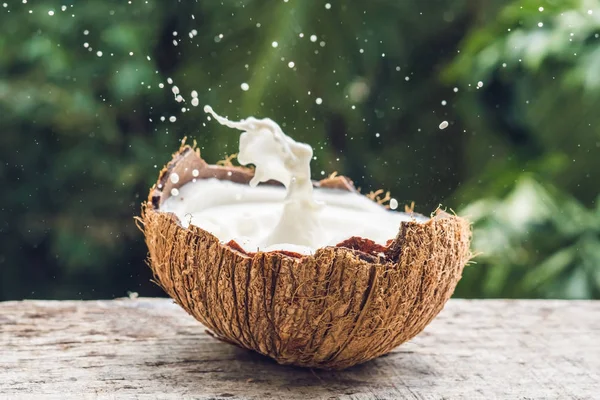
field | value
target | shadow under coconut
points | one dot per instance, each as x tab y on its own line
205	366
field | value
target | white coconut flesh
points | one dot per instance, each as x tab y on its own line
294	217
248	215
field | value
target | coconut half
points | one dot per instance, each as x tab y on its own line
330	307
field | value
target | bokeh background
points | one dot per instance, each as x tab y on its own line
85	125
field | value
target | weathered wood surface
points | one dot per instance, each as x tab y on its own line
150	348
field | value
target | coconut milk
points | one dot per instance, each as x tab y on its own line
295	217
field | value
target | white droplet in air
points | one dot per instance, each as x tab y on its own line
175	90
174	192
50	13
172	118
179	98
444	102
327	6
169	81
274	44
479	84
541	9
99	53
161	85
319	100
194	94
590	12
540	24
291	64
245	87
195	173
455	90
174	177
313	38
444	125
195	101
393	204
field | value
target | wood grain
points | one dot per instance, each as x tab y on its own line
150	348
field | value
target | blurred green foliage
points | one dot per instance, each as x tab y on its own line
84	124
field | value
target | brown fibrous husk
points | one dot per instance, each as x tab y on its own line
342	306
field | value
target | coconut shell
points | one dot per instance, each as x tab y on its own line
342	306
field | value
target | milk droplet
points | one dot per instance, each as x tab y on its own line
169	81
313	38
444	102
174	177
444	125
50	13
161	85
479	84
291	64
194	94
195	173
319	100
327	6
195	102
274	44
172	118
175	90
99	53
174	192
245	86
393	204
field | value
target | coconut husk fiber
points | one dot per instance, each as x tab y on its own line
342	306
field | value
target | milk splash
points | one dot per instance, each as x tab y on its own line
278	157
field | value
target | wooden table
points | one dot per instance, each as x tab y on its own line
150	348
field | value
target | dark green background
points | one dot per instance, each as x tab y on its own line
81	136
